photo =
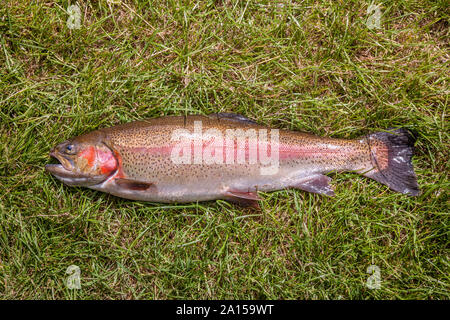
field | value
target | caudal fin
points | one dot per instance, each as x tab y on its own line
391	154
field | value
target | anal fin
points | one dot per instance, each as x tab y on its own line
317	183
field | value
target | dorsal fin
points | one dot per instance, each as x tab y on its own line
232	117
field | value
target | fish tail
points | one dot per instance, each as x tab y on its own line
391	153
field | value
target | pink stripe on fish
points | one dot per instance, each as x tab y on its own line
285	151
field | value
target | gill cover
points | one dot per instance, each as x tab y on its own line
84	161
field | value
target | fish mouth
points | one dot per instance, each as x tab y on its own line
64	166
64	171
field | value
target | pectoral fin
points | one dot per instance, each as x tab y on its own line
318	183
243	198
134	184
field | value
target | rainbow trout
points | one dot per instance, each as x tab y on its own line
177	159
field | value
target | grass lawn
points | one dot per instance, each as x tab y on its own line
313	66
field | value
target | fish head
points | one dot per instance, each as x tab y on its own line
83	161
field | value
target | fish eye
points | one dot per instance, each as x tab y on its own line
70	148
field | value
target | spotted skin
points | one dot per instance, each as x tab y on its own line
142	151
145	147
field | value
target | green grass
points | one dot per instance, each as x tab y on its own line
312	66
